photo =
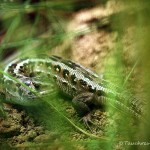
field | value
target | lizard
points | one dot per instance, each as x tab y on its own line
83	86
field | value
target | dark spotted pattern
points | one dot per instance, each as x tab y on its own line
57	68
71	78
69	64
65	73
91	89
64	83
82	82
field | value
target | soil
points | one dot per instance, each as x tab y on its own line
19	128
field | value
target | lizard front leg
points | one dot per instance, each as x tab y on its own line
84	103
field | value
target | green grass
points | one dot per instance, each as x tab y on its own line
31	29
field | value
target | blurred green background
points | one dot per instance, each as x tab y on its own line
35	27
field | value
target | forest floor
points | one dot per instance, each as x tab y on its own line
91	49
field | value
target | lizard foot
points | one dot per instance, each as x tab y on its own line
87	121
